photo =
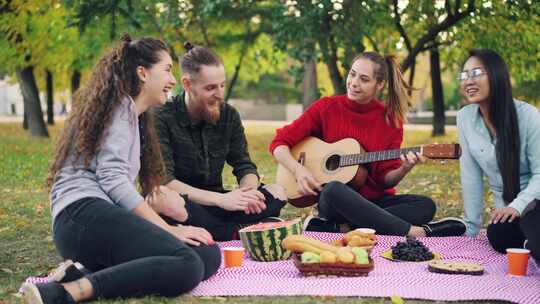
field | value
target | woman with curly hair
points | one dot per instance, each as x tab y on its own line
99	217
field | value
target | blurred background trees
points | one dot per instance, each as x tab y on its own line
278	51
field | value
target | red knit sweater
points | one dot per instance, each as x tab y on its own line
337	117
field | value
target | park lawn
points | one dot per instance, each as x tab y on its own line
26	246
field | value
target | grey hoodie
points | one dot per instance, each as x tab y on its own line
112	171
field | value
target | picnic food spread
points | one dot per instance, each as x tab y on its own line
263	241
315	257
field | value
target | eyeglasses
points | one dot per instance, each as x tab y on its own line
472	74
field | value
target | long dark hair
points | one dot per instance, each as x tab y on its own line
502	114
114	77
388	71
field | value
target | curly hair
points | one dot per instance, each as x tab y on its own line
113	78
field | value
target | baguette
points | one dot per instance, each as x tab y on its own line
301	243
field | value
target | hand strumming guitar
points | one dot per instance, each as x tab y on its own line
306	181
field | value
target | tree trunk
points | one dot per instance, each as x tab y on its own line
75	83
50	98
310	89
335	74
328	48
32	105
243	52
437	91
25	118
411	78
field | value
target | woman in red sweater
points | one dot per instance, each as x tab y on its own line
376	126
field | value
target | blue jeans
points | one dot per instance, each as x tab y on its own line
129	256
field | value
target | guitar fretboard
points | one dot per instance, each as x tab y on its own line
369	157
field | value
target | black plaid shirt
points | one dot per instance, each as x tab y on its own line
196	153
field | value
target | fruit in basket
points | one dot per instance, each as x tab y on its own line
328	257
263	241
302	243
345	255
411	250
361	256
310	257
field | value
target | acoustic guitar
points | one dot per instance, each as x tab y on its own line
343	161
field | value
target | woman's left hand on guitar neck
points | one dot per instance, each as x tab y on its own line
407	163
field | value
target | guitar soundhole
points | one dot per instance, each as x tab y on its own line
332	163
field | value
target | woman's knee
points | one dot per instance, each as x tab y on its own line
333	189
428	207
504	235
187	270
211	258
529	226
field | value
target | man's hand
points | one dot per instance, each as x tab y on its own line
258	206
243	199
168	202
502	215
191	235
306	181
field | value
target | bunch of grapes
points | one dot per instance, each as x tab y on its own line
411	250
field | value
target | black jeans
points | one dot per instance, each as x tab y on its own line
390	215
223	224
129	256
513	235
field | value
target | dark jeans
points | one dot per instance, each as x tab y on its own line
390	215
512	235
129	256
223	224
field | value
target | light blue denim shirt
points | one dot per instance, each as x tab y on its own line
113	170
478	159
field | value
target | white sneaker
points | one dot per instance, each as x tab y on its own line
67	271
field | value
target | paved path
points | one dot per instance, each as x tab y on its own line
277	124
247	123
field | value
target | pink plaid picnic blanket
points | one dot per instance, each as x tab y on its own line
406	279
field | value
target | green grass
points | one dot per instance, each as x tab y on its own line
26	246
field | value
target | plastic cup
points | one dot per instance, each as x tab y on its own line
366	230
233	256
518	260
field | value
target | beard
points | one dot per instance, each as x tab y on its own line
203	111
211	114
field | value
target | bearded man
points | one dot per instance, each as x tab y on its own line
198	134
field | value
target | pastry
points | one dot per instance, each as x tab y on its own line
455	267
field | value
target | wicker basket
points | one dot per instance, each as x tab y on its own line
336	269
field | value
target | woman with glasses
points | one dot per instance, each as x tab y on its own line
500	138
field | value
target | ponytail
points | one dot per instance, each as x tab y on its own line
397	104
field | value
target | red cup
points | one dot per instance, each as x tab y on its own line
518	260
233	256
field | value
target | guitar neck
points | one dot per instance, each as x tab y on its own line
370	157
